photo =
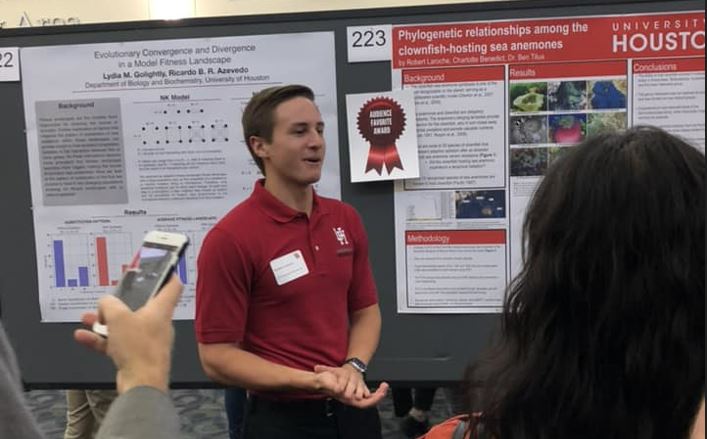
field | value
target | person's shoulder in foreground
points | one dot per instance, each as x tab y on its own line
603	328
15	418
140	345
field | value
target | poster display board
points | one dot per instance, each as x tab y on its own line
116	129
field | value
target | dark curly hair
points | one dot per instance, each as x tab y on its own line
602	333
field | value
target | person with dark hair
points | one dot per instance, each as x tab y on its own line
603	329
286	304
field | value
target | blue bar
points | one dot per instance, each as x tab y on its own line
83	276
72	282
59	275
182	269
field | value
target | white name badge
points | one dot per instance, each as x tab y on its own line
289	267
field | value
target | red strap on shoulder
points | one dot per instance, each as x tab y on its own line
446	429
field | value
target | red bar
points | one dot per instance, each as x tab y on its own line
455	237
550	40
102	259
475	74
568	70
669	65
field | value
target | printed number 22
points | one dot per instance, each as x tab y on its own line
369	38
6	59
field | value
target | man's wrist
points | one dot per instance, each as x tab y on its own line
358	364
349	366
307	381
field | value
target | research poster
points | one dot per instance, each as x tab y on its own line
496	104
124	138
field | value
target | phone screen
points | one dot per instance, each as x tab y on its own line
140	283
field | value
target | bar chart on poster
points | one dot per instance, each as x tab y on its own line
70	258
186	266
82	260
82	266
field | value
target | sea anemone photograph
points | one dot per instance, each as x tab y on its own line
528	129
607	94
528	97
527	162
600	122
567	128
567	95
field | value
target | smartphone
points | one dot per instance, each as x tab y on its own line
150	270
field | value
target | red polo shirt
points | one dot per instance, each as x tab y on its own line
303	322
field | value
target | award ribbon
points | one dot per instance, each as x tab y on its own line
381	121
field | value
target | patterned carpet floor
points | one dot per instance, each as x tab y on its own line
202	414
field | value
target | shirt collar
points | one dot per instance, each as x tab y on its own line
276	209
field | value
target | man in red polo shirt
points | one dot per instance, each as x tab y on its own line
286	305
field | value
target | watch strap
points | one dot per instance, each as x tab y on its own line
357	364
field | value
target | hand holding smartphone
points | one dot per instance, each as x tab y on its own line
158	255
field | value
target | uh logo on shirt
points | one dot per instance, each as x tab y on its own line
345	248
340	235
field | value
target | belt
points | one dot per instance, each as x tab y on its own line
317	407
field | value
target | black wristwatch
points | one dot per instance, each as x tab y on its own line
357	364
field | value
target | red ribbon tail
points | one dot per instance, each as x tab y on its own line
392	159
387	155
376	159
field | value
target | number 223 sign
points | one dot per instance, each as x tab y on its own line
368	43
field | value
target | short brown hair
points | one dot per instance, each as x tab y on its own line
258	116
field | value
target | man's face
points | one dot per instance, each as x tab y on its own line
296	152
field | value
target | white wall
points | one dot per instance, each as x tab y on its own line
27	13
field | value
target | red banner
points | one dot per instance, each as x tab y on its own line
669	66
455	237
568	70
433	76
550	40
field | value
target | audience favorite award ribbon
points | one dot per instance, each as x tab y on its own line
381	121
